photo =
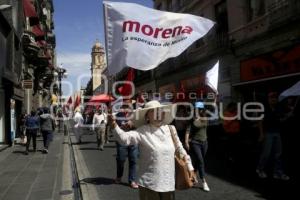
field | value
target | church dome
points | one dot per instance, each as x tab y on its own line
97	44
98	47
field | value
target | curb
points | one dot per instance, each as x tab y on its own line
3	147
80	171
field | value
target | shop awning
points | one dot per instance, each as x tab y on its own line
265	79
101	98
30	12
37	31
42	43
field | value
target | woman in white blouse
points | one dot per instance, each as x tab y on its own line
156	163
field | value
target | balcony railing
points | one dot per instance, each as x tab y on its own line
216	41
255	27
283	10
279	12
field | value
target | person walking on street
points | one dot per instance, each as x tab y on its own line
231	126
99	126
47	128
157	150
78	119
181	122
32	124
23	127
196	141
270	136
124	151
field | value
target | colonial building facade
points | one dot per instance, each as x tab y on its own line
27	61
256	41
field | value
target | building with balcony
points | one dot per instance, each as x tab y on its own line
39	53
11	92
27	61
256	41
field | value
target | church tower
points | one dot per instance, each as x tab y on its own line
98	65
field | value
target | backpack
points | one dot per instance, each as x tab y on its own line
31	122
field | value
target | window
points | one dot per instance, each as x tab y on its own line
158	7
169	5
175	5
15	14
221	17
256	8
3	49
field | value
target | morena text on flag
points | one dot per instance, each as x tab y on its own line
134	26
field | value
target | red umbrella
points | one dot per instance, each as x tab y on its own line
102	98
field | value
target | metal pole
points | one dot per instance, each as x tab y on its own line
59	79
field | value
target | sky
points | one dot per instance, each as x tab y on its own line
78	23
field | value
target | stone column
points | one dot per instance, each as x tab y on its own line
2	114
28	102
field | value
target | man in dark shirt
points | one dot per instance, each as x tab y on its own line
270	136
32	124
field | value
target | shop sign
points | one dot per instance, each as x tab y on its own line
194	83
281	62
28	84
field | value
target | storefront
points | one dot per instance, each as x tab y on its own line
187	90
13	101
4	32
275	71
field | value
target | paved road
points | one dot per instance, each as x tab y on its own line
225	182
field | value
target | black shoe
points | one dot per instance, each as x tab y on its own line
45	151
26	153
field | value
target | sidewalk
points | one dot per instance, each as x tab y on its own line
3	147
35	176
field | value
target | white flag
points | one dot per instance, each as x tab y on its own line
212	77
292	91
142	38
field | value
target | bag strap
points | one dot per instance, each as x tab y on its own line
174	139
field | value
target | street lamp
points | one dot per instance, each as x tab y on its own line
60	74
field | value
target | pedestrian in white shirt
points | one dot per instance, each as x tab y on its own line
99	126
78	119
156	164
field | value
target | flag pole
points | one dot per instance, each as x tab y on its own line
296	103
111	78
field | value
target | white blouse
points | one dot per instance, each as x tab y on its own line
157	150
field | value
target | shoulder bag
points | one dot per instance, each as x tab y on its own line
182	175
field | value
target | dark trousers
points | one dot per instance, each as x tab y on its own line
272	148
31	133
146	194
198	150
233	145
122	153
100	133
47	138
181	135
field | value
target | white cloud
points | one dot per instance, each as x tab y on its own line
77	66
74	60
